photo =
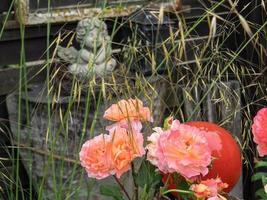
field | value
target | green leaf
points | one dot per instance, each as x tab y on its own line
264	180
258	176
187	192
147	176
144	194
261	164
111	191
180	182
261	194
182	187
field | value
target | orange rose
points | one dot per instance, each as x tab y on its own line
209	189
125	147
131	109
95	157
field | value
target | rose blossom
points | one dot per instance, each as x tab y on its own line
216	198
131	109
203	191
209	189
126	145
132	126
183	149
106	155
153	145
154	137
259	130
213	140
95	158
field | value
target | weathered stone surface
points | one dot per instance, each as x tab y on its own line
49	148
51	156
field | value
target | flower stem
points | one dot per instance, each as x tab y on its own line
135	185
178	191
122	187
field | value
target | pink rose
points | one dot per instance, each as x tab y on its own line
259	130
183	149
213	140
131	109
95	157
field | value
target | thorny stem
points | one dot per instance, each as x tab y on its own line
135	185
122	187
160	196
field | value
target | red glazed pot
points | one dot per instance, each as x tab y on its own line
228	163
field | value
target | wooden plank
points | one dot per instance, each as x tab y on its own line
30	12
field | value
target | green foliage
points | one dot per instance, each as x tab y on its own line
258	176
261	164
111	191
182	187
261	194
147	176
262	178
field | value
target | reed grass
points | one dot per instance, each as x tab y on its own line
187	84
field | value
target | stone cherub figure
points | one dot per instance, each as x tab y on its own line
94	57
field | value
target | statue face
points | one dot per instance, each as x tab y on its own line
91	33
94	38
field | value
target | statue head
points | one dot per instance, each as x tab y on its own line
91	33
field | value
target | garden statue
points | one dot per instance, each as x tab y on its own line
94	57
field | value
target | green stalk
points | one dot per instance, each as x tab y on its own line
6	18
87	109
21	81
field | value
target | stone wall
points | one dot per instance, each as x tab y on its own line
52	157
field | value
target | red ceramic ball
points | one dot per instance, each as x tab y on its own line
228	163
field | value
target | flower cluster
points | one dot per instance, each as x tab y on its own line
109	154
176	148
